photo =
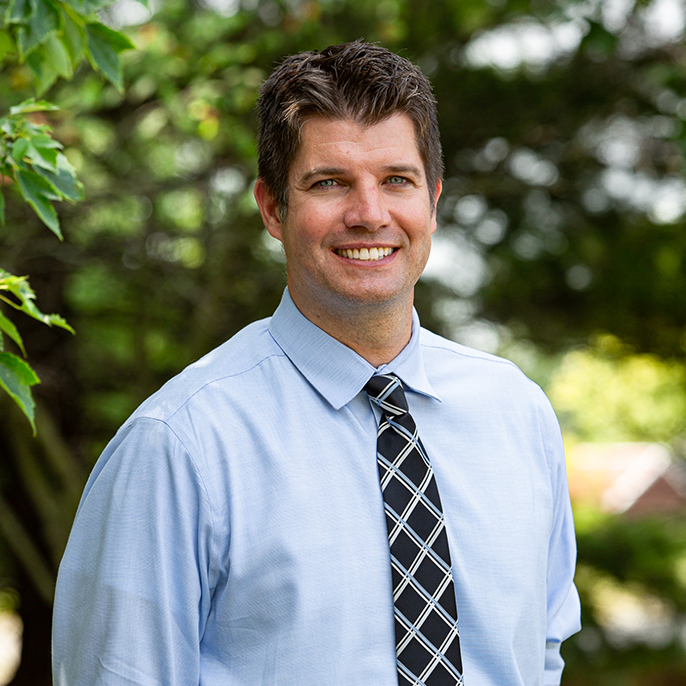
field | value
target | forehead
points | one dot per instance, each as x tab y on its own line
350	142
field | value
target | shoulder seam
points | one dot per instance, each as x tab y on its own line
209	383
486	358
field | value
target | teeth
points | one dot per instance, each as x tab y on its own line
368	255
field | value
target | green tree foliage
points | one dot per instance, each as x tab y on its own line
550	224
606	393
565	170
16	376
40	40
51	39
631	581
631	573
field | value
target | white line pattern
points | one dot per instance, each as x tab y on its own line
427	637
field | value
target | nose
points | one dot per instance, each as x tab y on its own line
367	208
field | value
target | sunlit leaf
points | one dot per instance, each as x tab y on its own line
30	308
59	321
19	287
32	105
6	44
8	280
17	377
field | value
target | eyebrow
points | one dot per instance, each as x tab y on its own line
404	169
319	172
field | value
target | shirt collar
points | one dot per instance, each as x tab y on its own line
334	369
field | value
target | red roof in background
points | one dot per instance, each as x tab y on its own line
632	478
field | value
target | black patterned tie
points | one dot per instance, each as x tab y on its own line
427	640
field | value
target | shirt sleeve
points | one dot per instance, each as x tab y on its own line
564	609
134	584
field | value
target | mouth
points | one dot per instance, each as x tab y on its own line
365	254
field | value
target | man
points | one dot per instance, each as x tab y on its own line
235	531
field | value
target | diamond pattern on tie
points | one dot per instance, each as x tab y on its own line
427	639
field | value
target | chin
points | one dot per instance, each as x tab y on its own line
374	297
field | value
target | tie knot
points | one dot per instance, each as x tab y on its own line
386	390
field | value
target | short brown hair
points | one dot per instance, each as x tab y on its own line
358	81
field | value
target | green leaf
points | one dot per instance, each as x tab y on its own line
8	327
73	37
17	377
23	371
43	69
57	320
32	105
64	181
30	308
19	149
45	158
6	45
18	11
89	6
35	183
42	140
9	281
57	52
38	193
19	287
8	126
42	151
104	46
43	22
118	41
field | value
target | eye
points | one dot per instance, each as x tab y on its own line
397	180
325	183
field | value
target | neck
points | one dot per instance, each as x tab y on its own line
378	334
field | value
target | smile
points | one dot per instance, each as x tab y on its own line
365	254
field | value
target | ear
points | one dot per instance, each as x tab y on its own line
436	196
268	209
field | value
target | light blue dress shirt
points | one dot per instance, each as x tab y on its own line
233	532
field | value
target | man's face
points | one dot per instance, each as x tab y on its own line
359	222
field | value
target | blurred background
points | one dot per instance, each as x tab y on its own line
561	246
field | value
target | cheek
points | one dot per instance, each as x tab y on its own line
313	226
301	244
421	229
415	217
